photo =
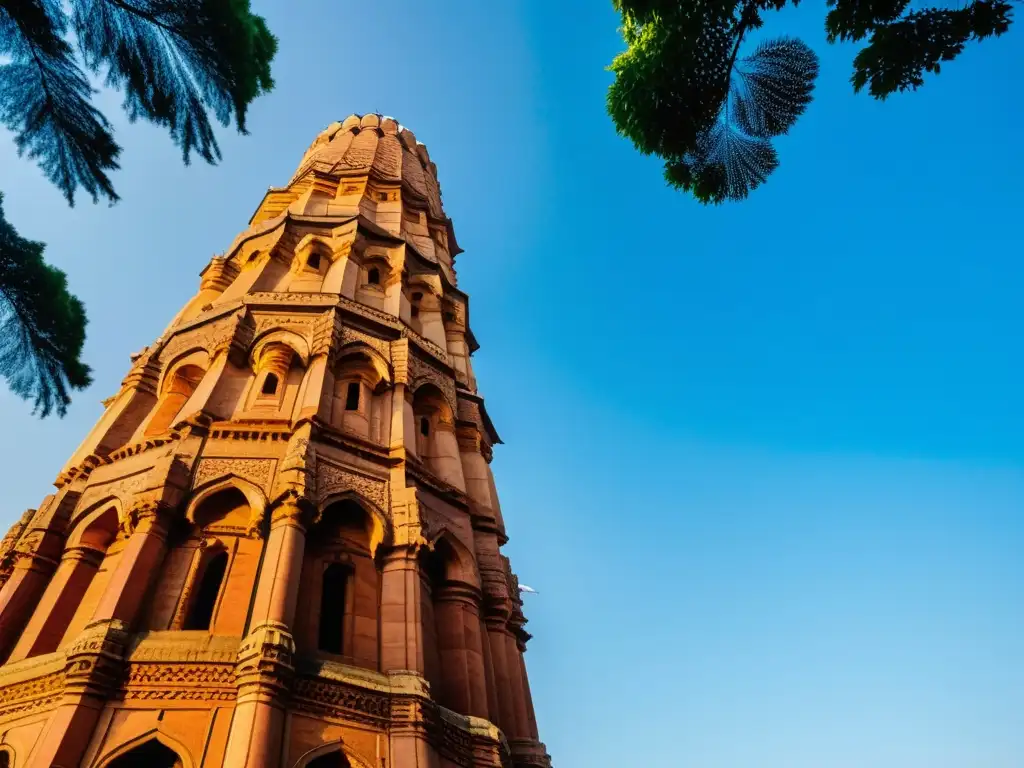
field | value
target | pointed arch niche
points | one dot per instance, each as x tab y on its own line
151	750
91	554
431	434
338	617
361	397
278	361
210	570
179	384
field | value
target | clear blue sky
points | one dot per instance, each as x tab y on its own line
763	461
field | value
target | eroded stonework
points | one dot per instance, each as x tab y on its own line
281	545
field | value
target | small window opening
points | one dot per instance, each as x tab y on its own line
313	262
425	426
352	396
415	311
382	196
373	276
332	608
417	296
449	317
270	384
201	613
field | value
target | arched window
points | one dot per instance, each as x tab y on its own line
332	608
425	426
352	396
330	760
201	613
313	261
373	276
152	754
177	389
269	384
5	759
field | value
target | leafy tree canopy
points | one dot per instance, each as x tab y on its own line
683	92
179	64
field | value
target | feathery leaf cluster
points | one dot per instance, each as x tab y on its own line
42	326
683	93
179	63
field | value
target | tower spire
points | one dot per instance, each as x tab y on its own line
281	543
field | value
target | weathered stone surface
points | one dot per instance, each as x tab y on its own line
282	539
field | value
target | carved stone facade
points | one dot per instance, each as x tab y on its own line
281	545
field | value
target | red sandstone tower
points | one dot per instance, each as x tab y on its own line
280	545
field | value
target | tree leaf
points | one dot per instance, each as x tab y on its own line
44	100
900	53
772	87
177	60
42	326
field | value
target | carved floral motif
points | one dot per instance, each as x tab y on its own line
256	471
332	478
422	373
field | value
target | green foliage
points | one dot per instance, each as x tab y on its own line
178	63
42	326
683	93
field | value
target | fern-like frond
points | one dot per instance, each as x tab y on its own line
42	326
771	88
178	61
44	101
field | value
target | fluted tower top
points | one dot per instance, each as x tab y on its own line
369	166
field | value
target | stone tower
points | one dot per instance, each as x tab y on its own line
280	544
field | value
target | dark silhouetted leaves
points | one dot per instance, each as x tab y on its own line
42	326
854	19
44	101
899	53
682	93
178	62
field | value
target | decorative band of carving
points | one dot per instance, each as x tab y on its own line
340	701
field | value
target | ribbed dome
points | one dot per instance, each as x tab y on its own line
379	146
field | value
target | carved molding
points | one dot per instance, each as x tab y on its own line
30	695
334	478
259	472
421	372
340	701
188	682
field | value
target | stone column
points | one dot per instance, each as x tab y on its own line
401	624
55	610
21	593
139	564
497	635
95	662
264	667
461	649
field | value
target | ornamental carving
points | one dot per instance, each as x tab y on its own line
293	297
122	488
296	324
332	478
422	373
256	471
209	336
341	701
29	694
180	681
350	335
361	309
426	344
